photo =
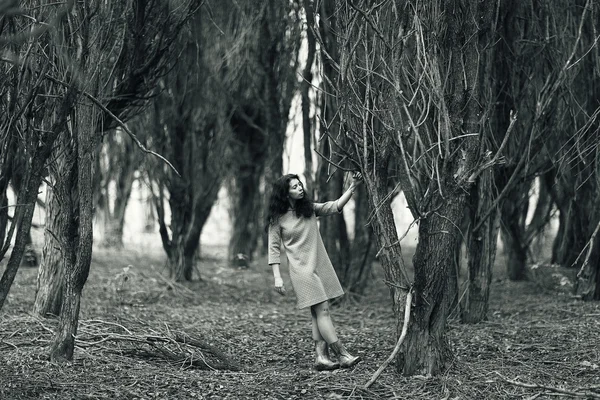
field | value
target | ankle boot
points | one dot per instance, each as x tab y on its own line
346	359
322	360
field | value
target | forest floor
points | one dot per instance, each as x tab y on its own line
130	346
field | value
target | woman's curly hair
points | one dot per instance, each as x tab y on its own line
279	203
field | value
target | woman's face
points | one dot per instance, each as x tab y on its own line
296	190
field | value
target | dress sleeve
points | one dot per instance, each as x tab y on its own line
327	208
274	243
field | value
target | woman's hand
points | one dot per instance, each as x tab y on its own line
279	287
356	179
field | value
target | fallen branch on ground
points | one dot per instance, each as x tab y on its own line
398	344
177	347
588	393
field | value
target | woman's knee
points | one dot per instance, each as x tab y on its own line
322	309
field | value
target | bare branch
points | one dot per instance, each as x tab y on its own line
392	356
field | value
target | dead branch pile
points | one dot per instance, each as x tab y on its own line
175	347
138	340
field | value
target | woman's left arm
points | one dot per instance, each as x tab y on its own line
344	198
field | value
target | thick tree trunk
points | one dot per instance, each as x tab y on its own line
187	221
426	350
76	199
50	280
27	196
181	263
481	250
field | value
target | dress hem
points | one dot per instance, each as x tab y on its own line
312	302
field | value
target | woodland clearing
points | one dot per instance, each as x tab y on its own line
143	337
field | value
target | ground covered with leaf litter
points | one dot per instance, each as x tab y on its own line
230	336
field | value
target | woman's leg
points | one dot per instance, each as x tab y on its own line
321	316
327	331
322	360
316	334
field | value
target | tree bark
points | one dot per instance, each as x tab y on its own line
77	236
50	279
27	196
308	123
481	250
355	278
333	228
425	349
387	246
7	154
244	188
124	177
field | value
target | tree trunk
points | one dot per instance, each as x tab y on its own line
481	250
333	228
246	213
355	278
308	123
7	153
187	220
76	199
425	349
387	246
27	196
114	220
50	280
244	188
181	263
23	216
514	210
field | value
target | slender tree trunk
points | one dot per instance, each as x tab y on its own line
536	230
330	180
305	86
77	237
7	152
23	216
244	188
481	249
50	280
246	213
355	278
333	228
114	221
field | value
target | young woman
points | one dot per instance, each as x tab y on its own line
292	220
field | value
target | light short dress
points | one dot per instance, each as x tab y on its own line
312	275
